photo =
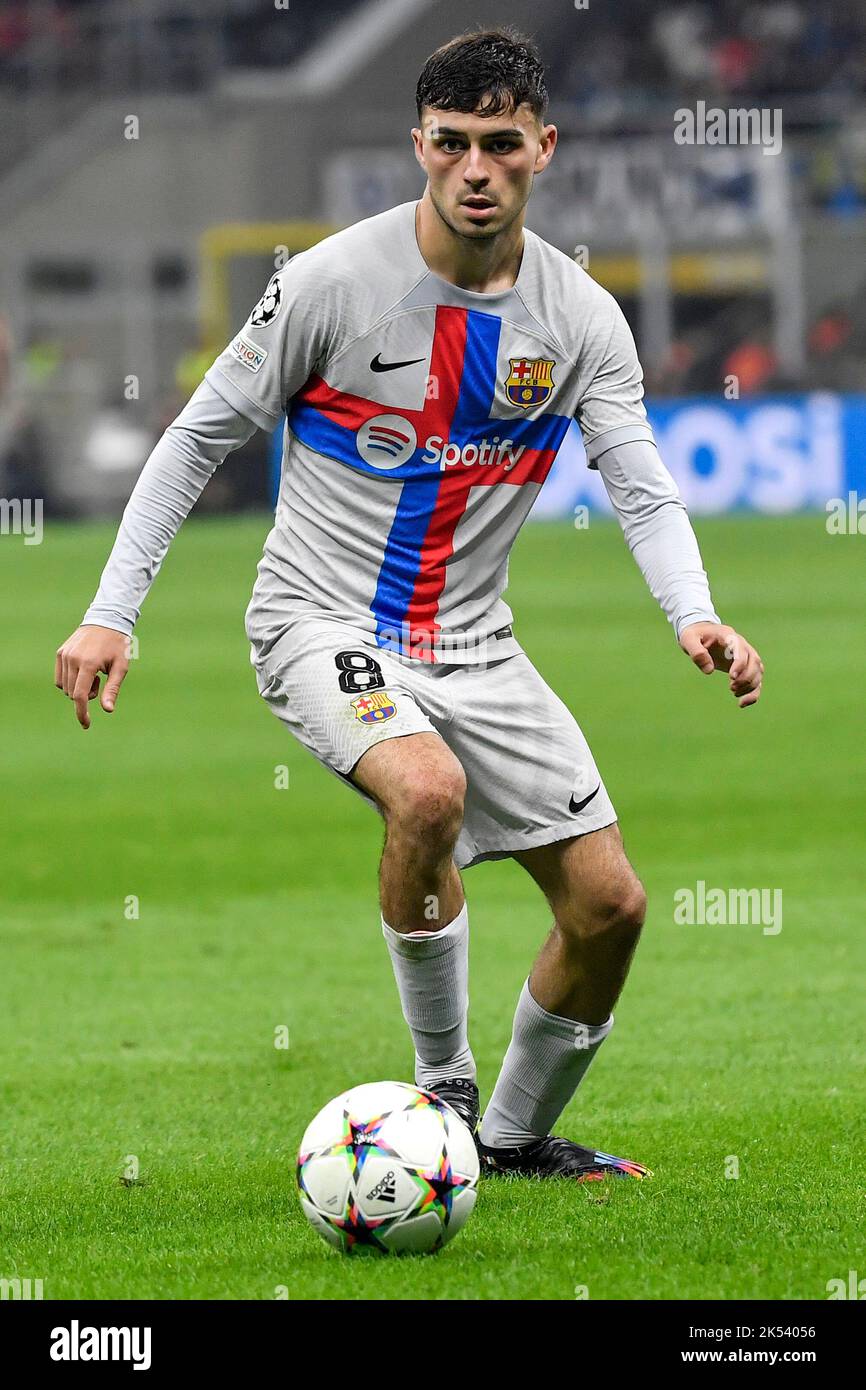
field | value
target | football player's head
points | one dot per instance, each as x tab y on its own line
482	136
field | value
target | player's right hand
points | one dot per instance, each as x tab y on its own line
90	651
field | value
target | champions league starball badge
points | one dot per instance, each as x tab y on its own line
268	306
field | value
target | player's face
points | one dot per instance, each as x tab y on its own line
481	168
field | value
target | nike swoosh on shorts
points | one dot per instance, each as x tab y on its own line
579	805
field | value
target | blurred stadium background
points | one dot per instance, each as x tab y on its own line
158	156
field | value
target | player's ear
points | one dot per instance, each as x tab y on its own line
418	145
547	140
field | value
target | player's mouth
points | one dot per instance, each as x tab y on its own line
479	208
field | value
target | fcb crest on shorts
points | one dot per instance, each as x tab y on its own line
374	708
530	380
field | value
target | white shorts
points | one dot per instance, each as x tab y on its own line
531	778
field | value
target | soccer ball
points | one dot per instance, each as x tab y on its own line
389	1166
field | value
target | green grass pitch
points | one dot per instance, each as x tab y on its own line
154	1037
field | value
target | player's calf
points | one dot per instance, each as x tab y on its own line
564	1011
598	905
583	967
419	787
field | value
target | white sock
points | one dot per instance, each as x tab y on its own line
546	1061
432	974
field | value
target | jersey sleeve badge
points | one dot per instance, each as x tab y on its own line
269	305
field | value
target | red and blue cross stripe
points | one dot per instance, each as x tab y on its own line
421	540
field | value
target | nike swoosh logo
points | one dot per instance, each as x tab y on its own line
575	806
377	365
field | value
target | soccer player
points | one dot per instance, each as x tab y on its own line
429	361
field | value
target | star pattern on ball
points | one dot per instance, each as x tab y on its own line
356	1228
438	1186
362	1138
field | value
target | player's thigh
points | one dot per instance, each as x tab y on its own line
416	777
338	695
532	779
587	877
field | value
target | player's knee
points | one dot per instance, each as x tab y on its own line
618	912
622	912
430	808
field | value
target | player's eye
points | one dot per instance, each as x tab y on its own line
503	146
455	144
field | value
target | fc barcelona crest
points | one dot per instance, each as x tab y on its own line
373	708
530	380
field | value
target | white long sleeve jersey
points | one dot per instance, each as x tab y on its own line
422	421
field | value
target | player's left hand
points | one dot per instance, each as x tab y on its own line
716	647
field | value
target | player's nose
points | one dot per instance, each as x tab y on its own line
475	171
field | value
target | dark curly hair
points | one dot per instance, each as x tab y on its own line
488	71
